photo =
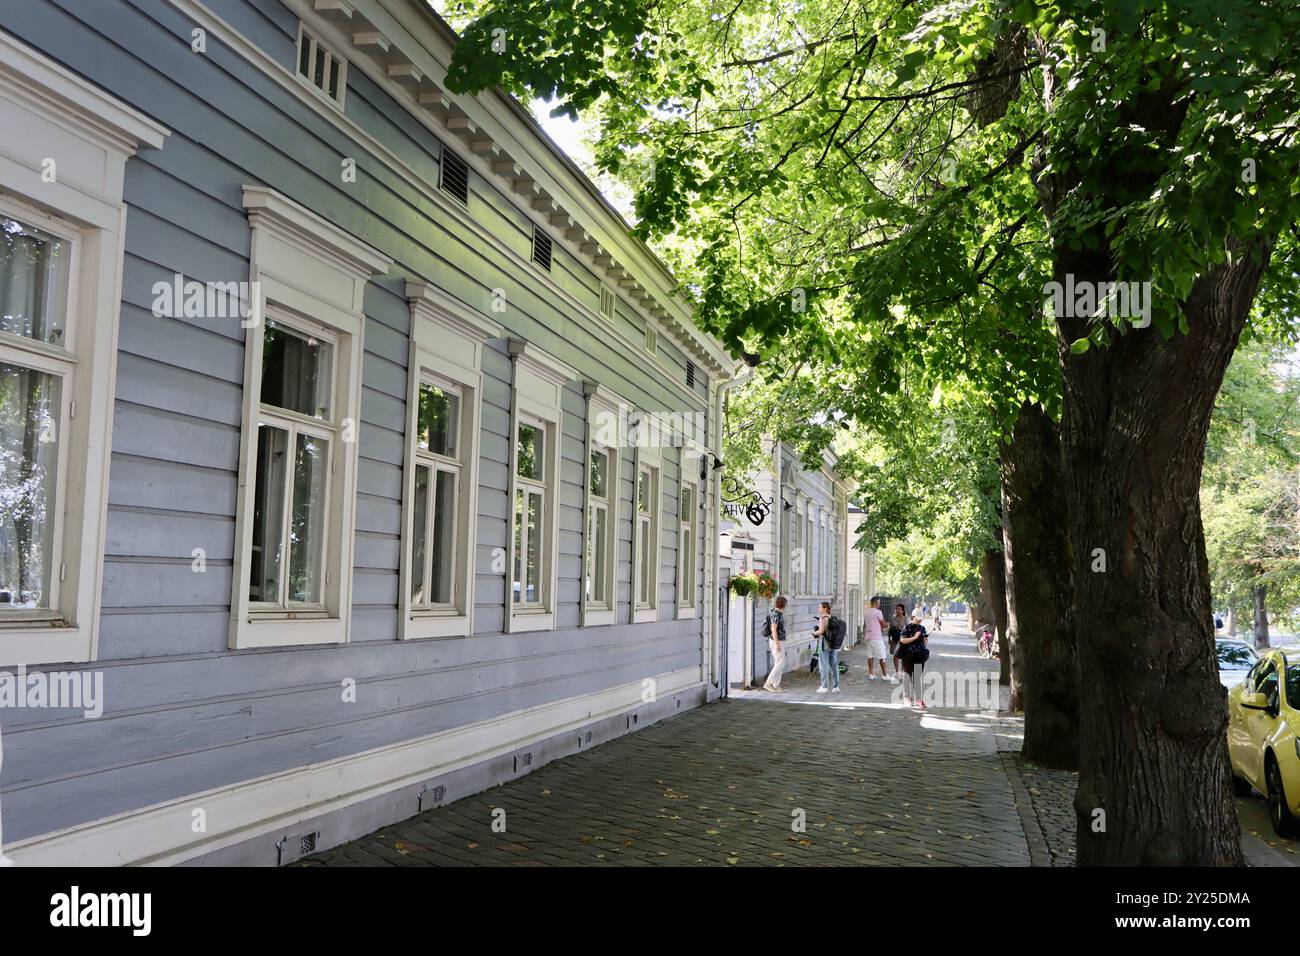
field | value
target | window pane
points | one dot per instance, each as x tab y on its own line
296	371
531	451
306	532
268	514
33	282
420	523
599	469
533	581
644	495
334	78
687	504
444	538
438	421
321	55
304	55
519	545
29	454
643	563
596	544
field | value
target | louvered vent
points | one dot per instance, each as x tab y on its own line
690	374
455	176
651	339
607	302
542	249
321	67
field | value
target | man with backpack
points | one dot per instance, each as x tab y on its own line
774	631
831	631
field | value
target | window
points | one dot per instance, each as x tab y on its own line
440	478
60	275
810	550
531	553
321	68
608	302
541	248
687	546
297	438
599	595
36	369
454	177
539	382
295	520
437	492
647	540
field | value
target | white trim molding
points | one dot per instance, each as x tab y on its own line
446	345
162	834
314	274
62	162
536	396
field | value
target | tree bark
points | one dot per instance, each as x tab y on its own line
1044	675
1005	651
1230	625
1259	629
1154	780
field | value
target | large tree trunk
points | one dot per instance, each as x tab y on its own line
1044	678
1260	626
1230	625
993	606
1153	785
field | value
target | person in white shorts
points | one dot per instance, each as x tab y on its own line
874	635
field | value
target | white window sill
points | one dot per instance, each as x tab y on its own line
522	621
596	617
286	632
643	615
28	643
425	624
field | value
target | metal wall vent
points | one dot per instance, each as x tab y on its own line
541	249
690	374
454	178
607	302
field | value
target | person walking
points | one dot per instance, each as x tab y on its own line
774	630
912	651
874	635
896	625
938	615
831	631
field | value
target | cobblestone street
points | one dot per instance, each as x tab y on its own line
877	782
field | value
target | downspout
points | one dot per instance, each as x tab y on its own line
738	377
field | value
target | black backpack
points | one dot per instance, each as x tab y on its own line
834	633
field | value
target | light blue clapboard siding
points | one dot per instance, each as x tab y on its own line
184	713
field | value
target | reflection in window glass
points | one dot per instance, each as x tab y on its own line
33	282
419	551
306	532
444	528
29	406
599	469
438	421
530	451
296	371
268	513
596	553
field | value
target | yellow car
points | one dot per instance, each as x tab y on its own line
1264	737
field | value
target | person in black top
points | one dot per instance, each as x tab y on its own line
912	651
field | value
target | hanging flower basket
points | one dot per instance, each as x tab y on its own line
751	584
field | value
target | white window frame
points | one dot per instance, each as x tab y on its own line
306	268
536	398
320	45
602	437
651	461
49	113
688	541
446	348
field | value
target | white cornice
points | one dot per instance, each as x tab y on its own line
33	72
311	233
540	362
427	299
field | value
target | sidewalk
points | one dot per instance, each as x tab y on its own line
795	778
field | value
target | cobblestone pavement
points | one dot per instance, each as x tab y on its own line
874	782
